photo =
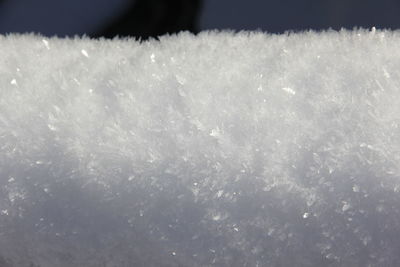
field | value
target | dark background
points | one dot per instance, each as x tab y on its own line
145	18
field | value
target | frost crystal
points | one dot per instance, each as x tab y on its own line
85	53
218	149
289	90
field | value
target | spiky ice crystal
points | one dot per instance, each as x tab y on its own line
219	149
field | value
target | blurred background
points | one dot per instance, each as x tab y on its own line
151	18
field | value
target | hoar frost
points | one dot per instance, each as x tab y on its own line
219	149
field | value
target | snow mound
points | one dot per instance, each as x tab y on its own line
220	149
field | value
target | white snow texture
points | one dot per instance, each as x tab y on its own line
220	149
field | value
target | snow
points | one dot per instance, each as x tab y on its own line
222	149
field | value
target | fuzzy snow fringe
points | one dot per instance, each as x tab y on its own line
219	149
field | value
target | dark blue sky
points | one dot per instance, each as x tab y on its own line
83	16
282	15
65	17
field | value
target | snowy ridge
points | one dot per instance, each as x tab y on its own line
217	150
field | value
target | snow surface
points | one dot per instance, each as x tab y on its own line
218	150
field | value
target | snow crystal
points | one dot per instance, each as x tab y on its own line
13	82
219	149
85	53
289	90
46	44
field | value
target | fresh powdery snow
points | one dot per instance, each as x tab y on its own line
220	149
